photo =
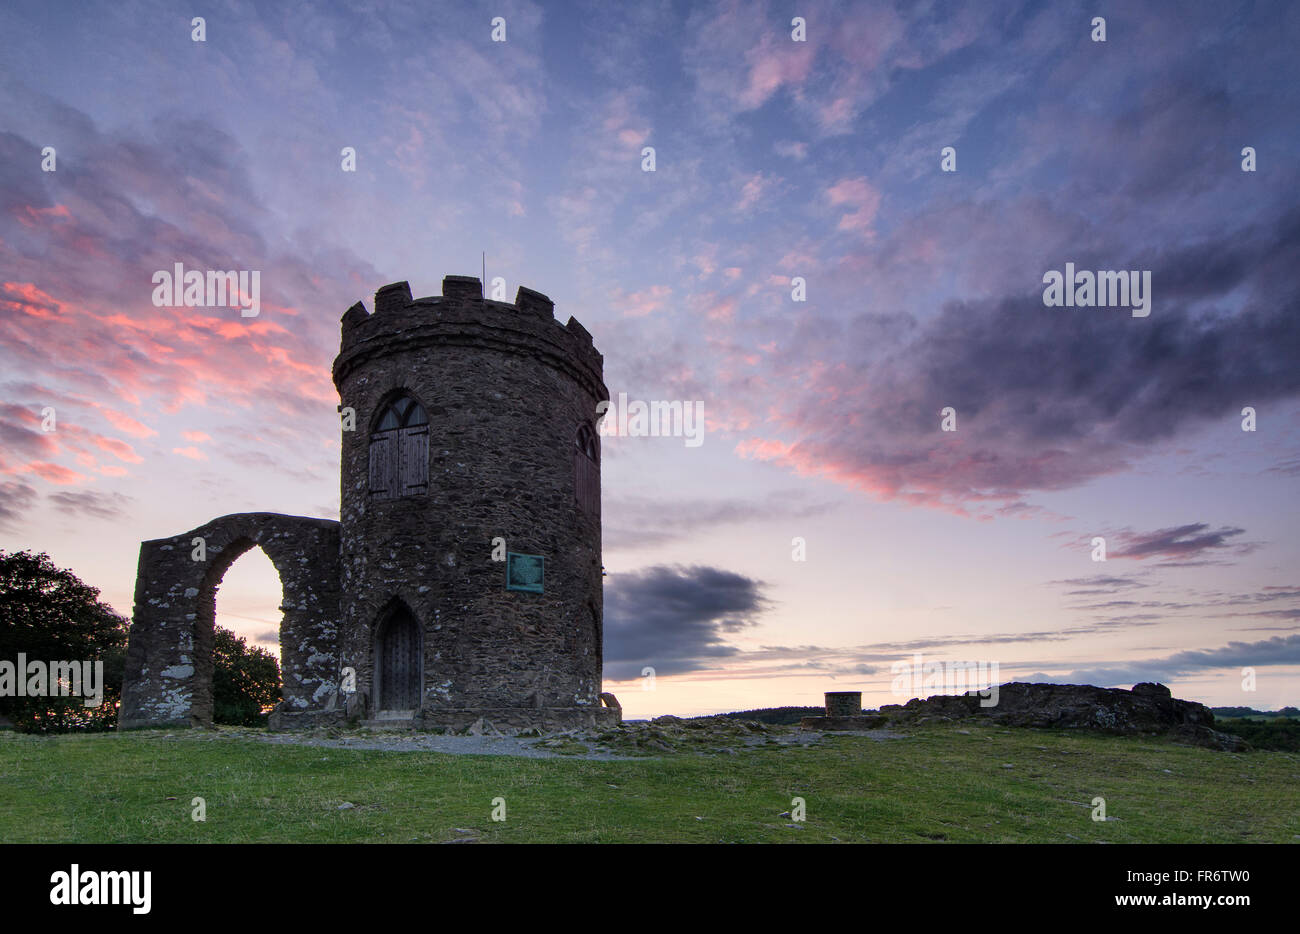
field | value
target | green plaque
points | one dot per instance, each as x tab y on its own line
525	572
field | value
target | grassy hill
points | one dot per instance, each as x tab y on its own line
954	782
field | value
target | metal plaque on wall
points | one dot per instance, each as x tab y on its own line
525	572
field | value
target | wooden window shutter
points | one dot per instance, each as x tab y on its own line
381	479
413	460
586	470
586	482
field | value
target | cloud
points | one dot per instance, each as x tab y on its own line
675	619
861	197
791	149
16	498
1098	585
1045	400
1184	542
76	311
639	304
91	504
54	473
1279	650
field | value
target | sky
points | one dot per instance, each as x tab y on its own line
827	528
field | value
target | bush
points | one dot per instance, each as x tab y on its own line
245	681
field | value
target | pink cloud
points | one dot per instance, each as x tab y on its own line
791	150
54	473
752	190
647	301
119	449
774	63
860	195
124	422
724	310
191	452
30	216
837	113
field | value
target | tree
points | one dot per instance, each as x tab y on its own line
245	681
48	614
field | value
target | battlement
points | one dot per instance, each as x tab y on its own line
461	315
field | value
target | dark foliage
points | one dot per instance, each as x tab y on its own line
778	716
1280	733
49	615
245	681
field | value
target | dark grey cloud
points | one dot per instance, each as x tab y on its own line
91	504
1099	586
675	619
1047	398
1182	542
1290	468
16	498
14	437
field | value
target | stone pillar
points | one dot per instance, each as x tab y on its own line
843	703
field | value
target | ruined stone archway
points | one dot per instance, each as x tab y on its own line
168	678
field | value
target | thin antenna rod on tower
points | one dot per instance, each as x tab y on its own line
485	266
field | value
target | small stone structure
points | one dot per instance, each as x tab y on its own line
843	703
469	447
843	712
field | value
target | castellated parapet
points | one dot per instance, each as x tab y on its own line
468	437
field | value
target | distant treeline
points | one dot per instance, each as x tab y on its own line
777	716
1281	733
1251	712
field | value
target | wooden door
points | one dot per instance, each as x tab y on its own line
399	663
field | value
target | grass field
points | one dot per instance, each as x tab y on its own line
935	784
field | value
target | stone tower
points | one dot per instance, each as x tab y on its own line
469	535
463	579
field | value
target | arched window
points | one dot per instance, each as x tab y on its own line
399	450
586	469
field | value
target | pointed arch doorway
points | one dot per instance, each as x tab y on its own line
398	663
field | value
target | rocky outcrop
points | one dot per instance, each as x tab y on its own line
1148	709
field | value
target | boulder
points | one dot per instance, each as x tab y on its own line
1146	709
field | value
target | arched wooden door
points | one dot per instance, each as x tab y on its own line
398	655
